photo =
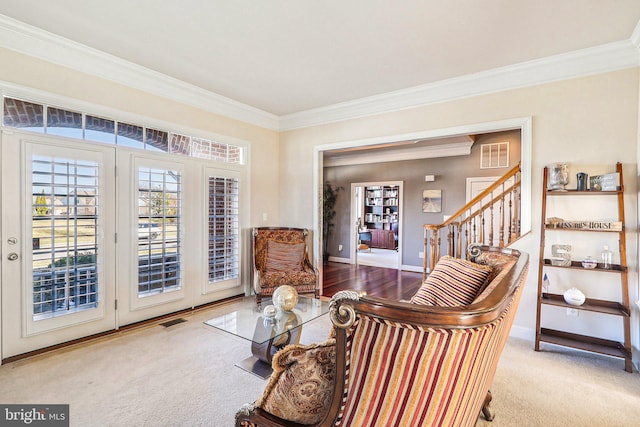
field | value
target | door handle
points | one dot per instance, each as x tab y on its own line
12	256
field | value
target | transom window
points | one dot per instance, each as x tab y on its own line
51	120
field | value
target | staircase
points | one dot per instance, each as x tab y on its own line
490	218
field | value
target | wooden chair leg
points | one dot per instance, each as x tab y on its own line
486	410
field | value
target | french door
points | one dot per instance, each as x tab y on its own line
58	232
95	237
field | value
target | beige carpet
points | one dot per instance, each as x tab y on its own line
184	375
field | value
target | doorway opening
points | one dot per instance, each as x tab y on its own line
376	149
376	224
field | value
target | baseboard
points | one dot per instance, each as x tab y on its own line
414	268
339	259
523	333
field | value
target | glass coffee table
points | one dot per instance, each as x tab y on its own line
267	335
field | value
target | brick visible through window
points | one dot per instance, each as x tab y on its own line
30	116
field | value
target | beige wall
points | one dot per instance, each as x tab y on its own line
592	120
18	69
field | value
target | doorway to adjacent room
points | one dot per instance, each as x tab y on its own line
376	223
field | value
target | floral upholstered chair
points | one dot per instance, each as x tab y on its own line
280	257
425	362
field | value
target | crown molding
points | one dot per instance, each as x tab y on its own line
399	154
635	36
584	62
29	40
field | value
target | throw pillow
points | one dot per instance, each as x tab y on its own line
285	256
453	282
301	386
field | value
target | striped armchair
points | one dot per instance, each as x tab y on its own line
405	363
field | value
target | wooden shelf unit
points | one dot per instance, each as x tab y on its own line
381	215
604	307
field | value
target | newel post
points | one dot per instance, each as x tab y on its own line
431	247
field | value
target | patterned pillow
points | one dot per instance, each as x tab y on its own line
453	282
285	256
301	386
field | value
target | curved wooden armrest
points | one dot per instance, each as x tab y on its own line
473	315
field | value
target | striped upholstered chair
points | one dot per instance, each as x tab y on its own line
280	257
428	362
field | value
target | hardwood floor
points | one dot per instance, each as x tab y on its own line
376	281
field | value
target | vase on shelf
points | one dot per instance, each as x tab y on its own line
558	176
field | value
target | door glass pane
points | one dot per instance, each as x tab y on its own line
64	227
224	229
64	123
23	114
159	233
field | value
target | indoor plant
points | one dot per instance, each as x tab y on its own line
329	197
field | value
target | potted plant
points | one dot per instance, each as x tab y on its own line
329	197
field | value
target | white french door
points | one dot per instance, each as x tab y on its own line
58	227
152	277
179	232
95	237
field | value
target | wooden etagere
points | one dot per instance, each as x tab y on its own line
381	215
608	308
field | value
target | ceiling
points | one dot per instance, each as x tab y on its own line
285	57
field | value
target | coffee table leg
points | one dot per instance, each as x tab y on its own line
262	354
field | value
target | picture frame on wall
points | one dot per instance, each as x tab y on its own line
431	201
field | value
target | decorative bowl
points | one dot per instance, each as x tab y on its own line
574	296
589	263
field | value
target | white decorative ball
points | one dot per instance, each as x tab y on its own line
269	311
574	296
285	298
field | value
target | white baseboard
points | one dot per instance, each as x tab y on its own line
523	333
414	268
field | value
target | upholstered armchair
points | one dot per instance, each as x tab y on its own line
428	361
280	257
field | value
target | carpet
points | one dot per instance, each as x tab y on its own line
184	375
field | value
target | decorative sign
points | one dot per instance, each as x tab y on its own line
561	255
608	182
585	225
